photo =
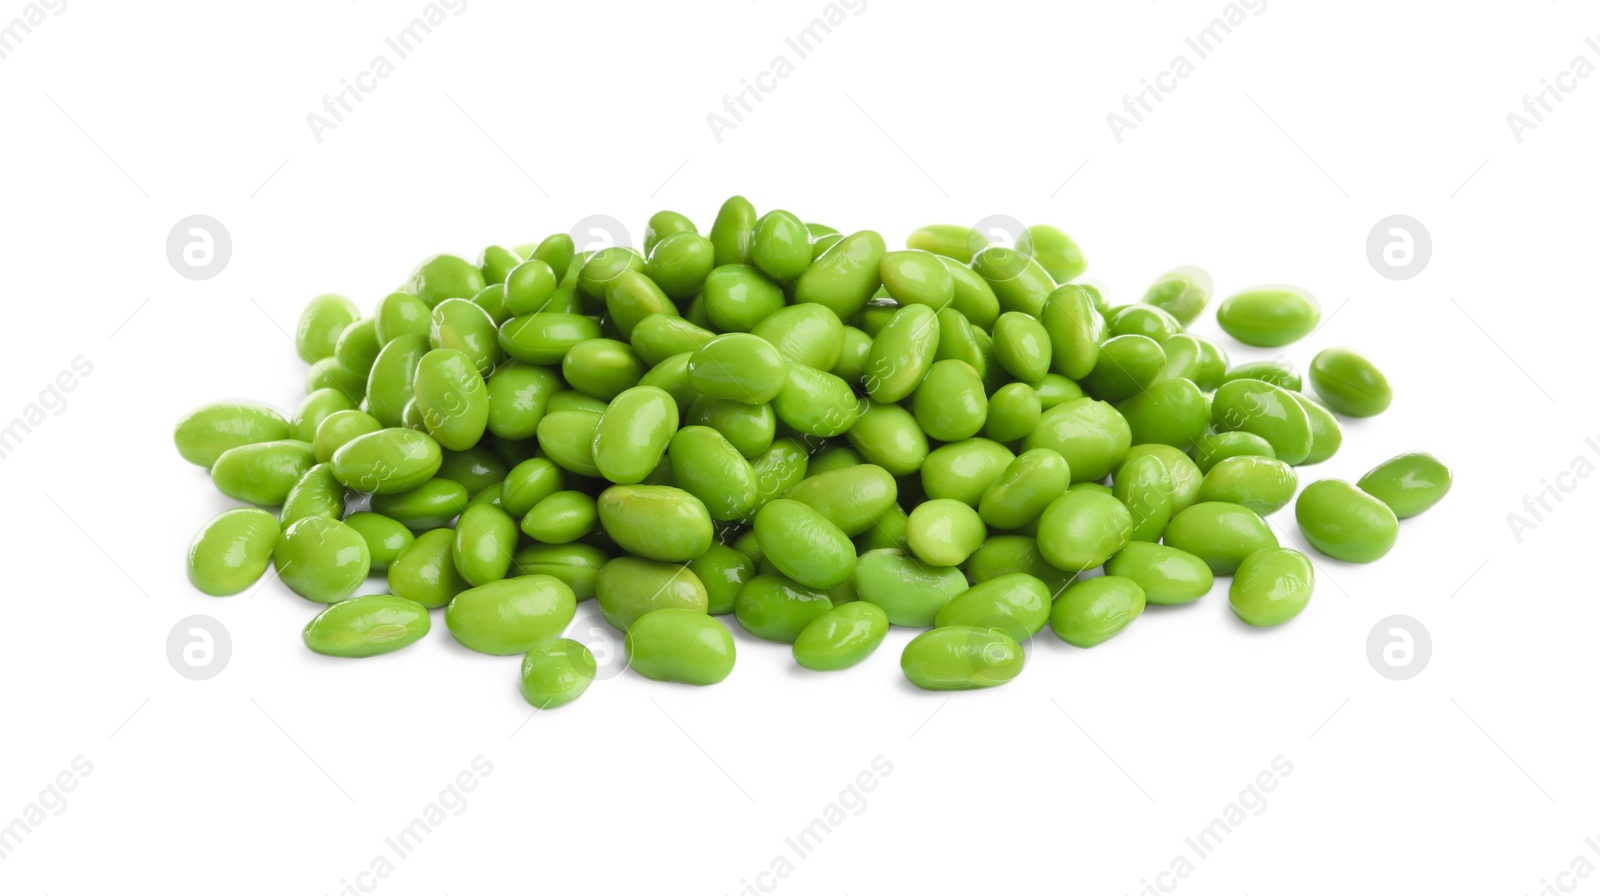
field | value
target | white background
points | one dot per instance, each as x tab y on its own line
1270	163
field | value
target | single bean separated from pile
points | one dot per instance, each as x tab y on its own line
798	427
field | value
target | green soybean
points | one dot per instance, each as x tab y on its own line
680	263
841	637
1349	383
445	277
810	335
950	404
1181	470
961	657
739	367
1269	316
231	551
387	461
556	672
1143	486
485	538
626	588
887	434
907	589
366	626
1092	437
1262	484
262	473
851	498
733	232
901	353
1016	603
425	572
465	327
723	572
679	645
576	564
944	531
317	493
1182	292
386	538
1025	488
803	544
775	608
914	277
1219	533
508	617
1006	554
1093	610
1167	575
1271	586
428	506
706	465
656	522
781	246
631	435
1408	483
205	433
1213	448
1266	410
843	278
322	559
324	318
1053	250
1344	522
1081	530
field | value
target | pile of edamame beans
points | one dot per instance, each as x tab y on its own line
797	427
